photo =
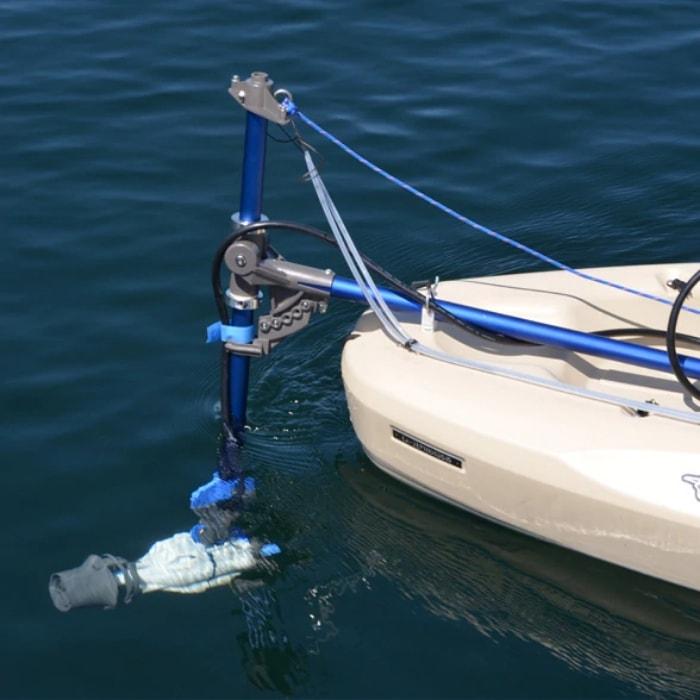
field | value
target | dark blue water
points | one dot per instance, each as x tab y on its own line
570	125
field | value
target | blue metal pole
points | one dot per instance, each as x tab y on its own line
533	331
254	152
250	211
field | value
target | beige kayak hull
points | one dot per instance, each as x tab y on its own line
594	477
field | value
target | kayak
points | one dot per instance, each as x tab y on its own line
612	482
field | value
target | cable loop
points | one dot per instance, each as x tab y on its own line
671	336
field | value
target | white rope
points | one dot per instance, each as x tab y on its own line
353	259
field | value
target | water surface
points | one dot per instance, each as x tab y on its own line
572	126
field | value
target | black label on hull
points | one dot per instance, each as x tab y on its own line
427	449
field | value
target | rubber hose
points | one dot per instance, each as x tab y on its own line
671	336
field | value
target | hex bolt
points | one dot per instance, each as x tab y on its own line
241	261
305	304
264	326
276	324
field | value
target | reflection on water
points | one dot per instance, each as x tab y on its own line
594	616
597	618
269	659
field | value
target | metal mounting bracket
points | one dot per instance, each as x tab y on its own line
296	292
290	311
255	95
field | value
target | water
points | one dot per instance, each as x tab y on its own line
569	125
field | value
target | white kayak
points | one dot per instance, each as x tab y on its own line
614	483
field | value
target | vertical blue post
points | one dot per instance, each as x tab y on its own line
253	168
250	211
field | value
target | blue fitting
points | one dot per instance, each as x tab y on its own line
196	533
219	489
289	107
221	333
269	550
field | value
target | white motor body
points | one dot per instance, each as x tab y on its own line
181	565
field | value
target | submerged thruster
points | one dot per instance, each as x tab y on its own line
211	554
177	565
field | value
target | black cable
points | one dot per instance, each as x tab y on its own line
672	336
289	139
294	138
225	397
647	333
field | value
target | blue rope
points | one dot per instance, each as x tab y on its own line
293	110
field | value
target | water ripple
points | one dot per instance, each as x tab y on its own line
570	126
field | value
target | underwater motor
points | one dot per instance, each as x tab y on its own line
177	565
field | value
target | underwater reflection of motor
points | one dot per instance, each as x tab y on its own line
594	616
271	661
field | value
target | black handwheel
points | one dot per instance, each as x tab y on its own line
671	336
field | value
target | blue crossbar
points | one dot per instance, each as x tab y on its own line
532	331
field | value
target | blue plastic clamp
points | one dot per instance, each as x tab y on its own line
219	489
221	333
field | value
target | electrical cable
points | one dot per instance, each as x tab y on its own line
647	333
672	336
